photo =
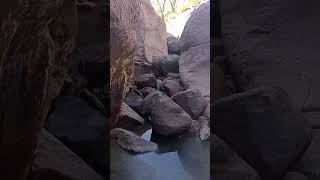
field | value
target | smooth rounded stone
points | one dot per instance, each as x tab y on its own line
169	63
309	163
54	155
295	176
134	100
147	90
168	118
146	80
191	101
227	164
171	86
131	142
129	119
150	100
173	75
263	128
173	44
197	29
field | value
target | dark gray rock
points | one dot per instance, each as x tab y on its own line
173	44
173	75
262	127
146	80
129	141
150	100
197	29
159	84
134	100
147	90
226	164
169	64
171	86
52	154
81	128
129	119
168	118
191	101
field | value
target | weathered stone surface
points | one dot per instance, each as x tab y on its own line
150	100
197	29
147	90
52	154
132	142
169	64
36	41
288	58
168	118
123	16
146	80
129	118
191	101
173	75
81	128
171	86
261	125
194	69
227	164
173	44
155	34
134	100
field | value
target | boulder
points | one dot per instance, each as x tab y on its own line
168	118
169	63
191	101
146	80
159	84
129	118
288	58
263	128
171	86
173	44
197	29
194	69
123	16
227	164
150	100
53	155
131	142
36	42
81	128
147	90
134	100
173	75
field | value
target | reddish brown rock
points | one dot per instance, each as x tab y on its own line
36	41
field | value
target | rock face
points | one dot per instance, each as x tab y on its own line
173	44
197	29
36	41
53	155
227	164
132	142
192	102
123	16
168	118
81	128
263	128
288	58
152	32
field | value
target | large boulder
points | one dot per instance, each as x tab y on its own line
268	43
36	42
168	118
263	128
197	29
151	33
191	101
81	128
129	119
51	155
123	16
